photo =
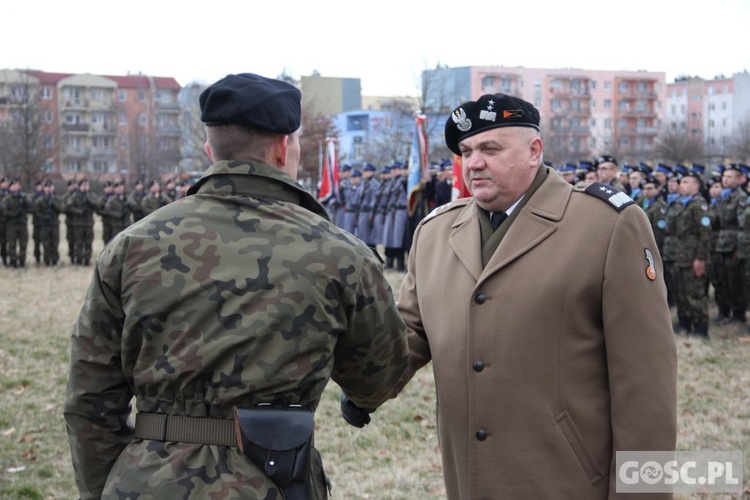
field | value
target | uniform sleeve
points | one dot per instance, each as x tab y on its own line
408	306
641	354
97	402
372	355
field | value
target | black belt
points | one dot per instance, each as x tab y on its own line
180	429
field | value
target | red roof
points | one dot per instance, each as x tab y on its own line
126	81
45	77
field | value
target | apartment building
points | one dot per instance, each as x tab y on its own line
710	112
102	126
584	113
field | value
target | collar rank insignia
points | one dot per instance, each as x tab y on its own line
651	268
616	198
461	120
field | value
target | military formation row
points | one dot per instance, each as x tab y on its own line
375	207
116	209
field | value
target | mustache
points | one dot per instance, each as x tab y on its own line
473	176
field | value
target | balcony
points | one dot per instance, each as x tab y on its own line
168	129
75	127
103	152
101	104
75	152
104	128
168	106
71	104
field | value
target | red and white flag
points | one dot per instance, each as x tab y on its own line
329	178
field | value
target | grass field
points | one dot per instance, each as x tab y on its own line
395	457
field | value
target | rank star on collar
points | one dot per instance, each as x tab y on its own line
608	191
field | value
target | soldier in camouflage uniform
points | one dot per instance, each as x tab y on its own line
154	200
117	210
69	232
16	207
669	253
693	230
731	264
47	209
655	208
36	224
241	293
714	271
134	200
81	206
107	232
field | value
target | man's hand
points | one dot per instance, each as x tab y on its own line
353	414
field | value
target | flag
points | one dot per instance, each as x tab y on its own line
418	163
329	178
459	189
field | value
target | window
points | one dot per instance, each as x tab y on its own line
47	116
623	87
607	104
141	95
122	95
608	123
487	82
46	92
142	119
122	118
607	85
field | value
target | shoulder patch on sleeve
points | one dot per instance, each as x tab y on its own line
461	202
614	197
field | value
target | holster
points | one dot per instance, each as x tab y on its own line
278	440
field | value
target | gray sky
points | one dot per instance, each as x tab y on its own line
386	43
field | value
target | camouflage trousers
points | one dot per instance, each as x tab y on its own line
692	301
49	236
730	293
16	239
672	281
83	238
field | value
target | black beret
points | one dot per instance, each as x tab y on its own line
605	159
488	112
694	175
252	100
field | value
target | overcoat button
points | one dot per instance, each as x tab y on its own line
480	298
478	366
481	435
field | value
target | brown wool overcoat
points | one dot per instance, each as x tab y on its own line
557	354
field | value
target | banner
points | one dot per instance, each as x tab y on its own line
329	177
459	189
418	163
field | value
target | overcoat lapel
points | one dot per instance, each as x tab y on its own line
466	240
536	222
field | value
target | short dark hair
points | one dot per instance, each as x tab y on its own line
238	142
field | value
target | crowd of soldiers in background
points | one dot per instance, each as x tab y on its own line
116	209
711	226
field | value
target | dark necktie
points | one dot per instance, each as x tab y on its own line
496	219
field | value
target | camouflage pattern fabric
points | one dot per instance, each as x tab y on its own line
241	293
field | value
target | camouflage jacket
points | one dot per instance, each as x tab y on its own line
81	207
47	209
241	293
693	230
151	202
730	209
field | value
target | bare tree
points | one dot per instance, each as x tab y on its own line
392	141
315	128
677	146
26	134
738	143
193	129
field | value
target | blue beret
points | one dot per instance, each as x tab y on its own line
368	168
252	100
345	168
386	170
488	112
356	173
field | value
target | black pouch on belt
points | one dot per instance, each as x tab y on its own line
278	440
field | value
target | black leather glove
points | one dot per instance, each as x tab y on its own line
353	414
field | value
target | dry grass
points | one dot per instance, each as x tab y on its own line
395	457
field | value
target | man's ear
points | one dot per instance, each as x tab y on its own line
281	146
207	148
